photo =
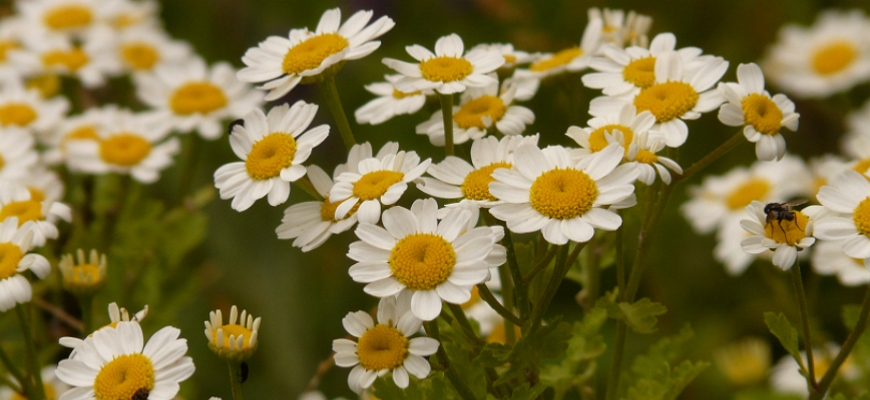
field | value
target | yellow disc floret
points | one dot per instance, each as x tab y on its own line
27	210
197	98
476	183
640	72
401	95
139	56
382	348
236	331
556	60
646	157
743	195
124	149
10	256
762	113
69	16
471	114
445	69
375	184
48	84
124	377
861	216
270	155
72	59
17	114
422	261
785	231
563	193
598	140
311	53
667	100
834	57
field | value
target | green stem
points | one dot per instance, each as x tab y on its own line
520	289
452	375
593	273
563	265
330	97
14	371
87	305
616	363
235	379
620	257
447	116
32	361
192	146
507	295
714	155
541	265
308	187
805	321
490	299
851	340
464	325
644	242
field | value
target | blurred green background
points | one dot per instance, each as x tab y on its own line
303	296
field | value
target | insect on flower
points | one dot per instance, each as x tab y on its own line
782	211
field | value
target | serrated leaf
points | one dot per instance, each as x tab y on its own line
608	303
682	375
654	374
585	345
472	373
493	355
788	336
641	316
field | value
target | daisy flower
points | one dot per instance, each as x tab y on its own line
15	243
622	120
822	170
11	29
52	387
762	117
23	108
273	148
449	70
390	102
572	59
721	200
621	30
848	199
236	340
142	49
43	184
512	57
83	276
18	155
416	253
625	72
383	347
113	364
546	191
283	63
132	14
129	144
783	236
91	61
192	96
31	212
116	316
828	259
480	110
831	56
642	152
62	17
376	181
455	178
84	126
679	92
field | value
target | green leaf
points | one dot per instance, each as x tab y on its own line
524	392
578	366
493	355
472	373
682	375
641	316
783	330
658	358
654	375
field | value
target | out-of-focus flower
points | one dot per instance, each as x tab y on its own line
83	276
744	363
572	59
390	102
39	215
15	243
829	259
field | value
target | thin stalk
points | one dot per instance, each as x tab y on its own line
593	273
464	325
563	265
851	340
235	379
87	305
35	371
644	242
308	187
541	265
447	116
58	313
333	102
616	363
14	371
452	375
507	295
714	155
620	257
520	288
192	146
487	296
805	321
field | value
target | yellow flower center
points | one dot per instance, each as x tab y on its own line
646	157
197	98
401	95
124	149
311	53
140	56
10	256
422	261
71	59
2	162
327	210
129	376
834	57
471	114
445	69
374	184
499	334
235	330
84	132
475	298
69	16
598	139
861	216
48	389
509	58
862	166
556	60
641	72
382	348
563	193
788	232
27	210
743	195
47	84
762	113
667	100
18	114
270	155
36	194
476	183
5	46
85	274
124	21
